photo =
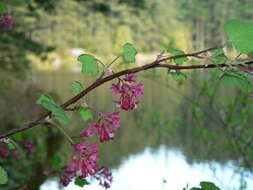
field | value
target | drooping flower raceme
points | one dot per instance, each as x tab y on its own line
104	128
6	20
83	163
129	93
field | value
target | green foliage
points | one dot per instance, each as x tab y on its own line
241	35
206	186
180	77
129	53
11	145
238	79
81	182
57	163
218	56
47	102
180	60
3	176
89	64
2	7
77	87
85	114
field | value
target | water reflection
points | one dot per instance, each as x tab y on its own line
165	169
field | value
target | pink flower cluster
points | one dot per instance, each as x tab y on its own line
6	20
85	157
104	128
14	153
129	93
84	162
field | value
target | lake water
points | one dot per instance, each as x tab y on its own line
145	154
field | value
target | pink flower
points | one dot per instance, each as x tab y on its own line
4	152
104	176
15	154
130	77
129	94
105	127
84	162
29	146
6	20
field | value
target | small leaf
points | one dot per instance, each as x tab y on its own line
208	186
195	188
60	114
179	77
77	87
129	53
3	176
44	97
180	60
47	102
241	35
89	64
57	163
218	56
217	52
81	182
11	145
17	136
85	114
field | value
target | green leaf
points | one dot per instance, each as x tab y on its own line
179	77
85	114
241	35
129	53
218	56
3	176
44	98
81	182
89	64
2	7
11	145
57	163
17	137
208	186
195	188
180	60
217	52
47	102
77	87
78	139
60	114
238	80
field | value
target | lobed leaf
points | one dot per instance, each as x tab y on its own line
77	87
48	103
129	53
85	114
241	35
180	60
89	64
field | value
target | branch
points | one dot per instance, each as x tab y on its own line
155	64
